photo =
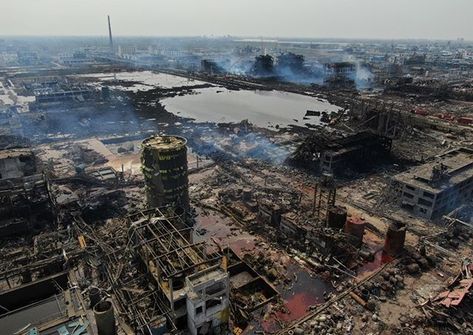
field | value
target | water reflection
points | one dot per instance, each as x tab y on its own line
267	109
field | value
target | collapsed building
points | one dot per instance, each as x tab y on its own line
340	75
210	67
54	90
292	62
138	300
425	88
17	163
77	94
25	199
263	66
41	286
334	154
25	206
435	188
194	282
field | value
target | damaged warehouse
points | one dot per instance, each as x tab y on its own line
334	154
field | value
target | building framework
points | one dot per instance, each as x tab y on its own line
192	278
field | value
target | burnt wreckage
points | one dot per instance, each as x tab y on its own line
359	152
349	213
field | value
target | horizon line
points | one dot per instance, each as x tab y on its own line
256	38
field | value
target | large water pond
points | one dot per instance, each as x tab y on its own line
267	109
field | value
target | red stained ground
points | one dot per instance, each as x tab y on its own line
305	292
380	258
302	293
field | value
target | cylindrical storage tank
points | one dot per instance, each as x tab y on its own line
336	217
276	216
164	166
94	296
105	318
355	228
395	238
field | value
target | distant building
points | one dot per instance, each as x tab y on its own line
78	58
126	52
210	67
340	75
433	189
72	95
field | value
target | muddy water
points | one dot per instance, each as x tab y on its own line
262	108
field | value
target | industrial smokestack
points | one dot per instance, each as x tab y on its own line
110	34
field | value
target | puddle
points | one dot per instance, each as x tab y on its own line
305	292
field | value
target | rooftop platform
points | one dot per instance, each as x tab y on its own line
458	167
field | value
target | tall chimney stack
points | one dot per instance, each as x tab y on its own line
110	34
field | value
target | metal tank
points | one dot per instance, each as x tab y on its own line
336	217
164	166
94	296
105	318
395	238
355	229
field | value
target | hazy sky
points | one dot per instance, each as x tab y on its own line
443	19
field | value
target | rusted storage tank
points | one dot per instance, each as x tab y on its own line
336	217
395	238
355	228
164	166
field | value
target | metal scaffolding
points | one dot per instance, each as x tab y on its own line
165	239
137	301
140	304
324	197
